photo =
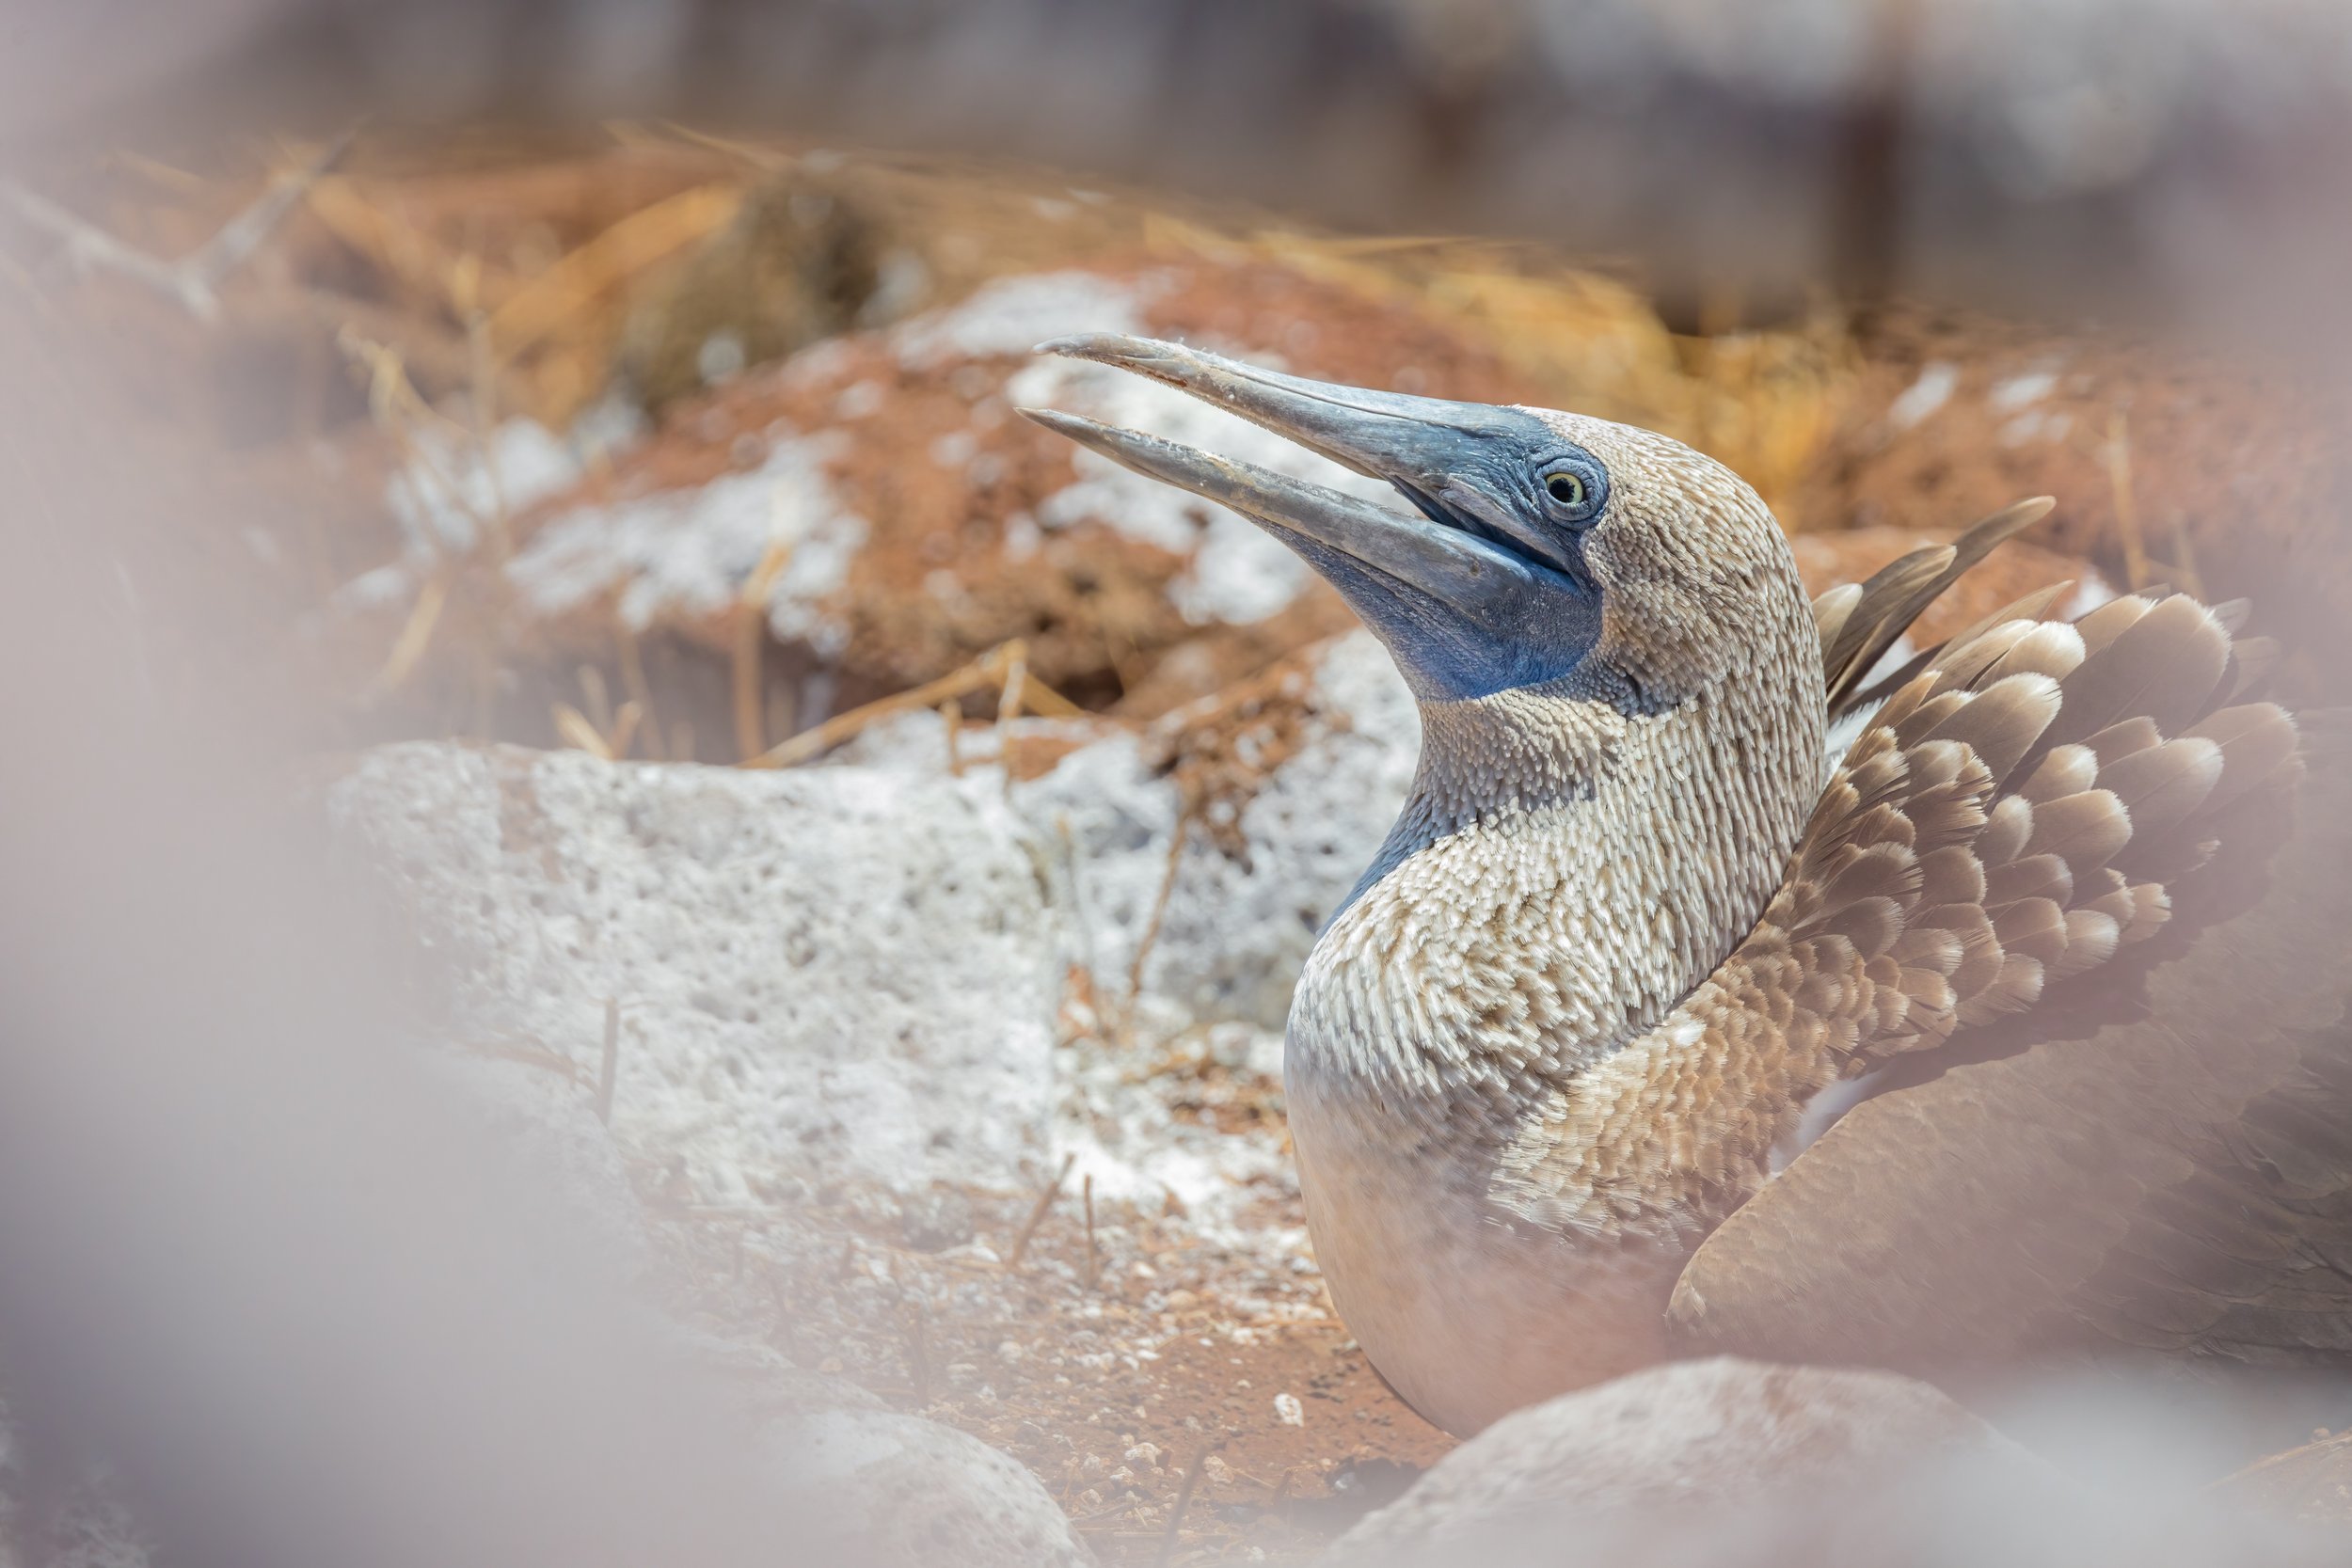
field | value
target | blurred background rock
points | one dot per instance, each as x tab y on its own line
2082	150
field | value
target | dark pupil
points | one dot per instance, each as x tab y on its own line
1567	489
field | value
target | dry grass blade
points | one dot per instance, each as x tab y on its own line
951	723
1159	911
1046	702
983	672
1037	1214
416	635
578	733
542	307
194	280
633	662
766	159
483	378
625	724
1094	1253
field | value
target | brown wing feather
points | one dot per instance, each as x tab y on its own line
1858	624
2158	1152
1963	865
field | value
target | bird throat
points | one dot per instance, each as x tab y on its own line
1571	863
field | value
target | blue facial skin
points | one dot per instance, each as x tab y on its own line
1533	611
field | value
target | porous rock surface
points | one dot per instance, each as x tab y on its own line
1255	877
839	971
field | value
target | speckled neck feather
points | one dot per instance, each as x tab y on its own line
1574	858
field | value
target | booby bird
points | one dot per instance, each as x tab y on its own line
1634	918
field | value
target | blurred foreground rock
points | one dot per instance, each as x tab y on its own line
1732	1463
906	1492
60	1509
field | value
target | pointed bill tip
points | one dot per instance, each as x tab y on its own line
1146	454
1060	423
1111	347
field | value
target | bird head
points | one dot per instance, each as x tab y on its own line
1540	544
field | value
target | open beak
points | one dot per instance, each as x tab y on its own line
1468	561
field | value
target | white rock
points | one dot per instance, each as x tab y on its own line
897	1491
686	553
1236	930
1710	1462
831	971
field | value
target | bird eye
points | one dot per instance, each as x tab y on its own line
1566	488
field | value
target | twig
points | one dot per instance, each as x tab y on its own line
1037	1214
634	682
1184	1500
625	724
608	1070
751	628
1159	912
195	278
1094	1259
529	1056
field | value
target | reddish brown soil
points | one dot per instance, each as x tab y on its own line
1110	1373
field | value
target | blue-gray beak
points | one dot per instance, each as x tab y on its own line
1453	591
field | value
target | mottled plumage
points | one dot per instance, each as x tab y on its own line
1623	933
